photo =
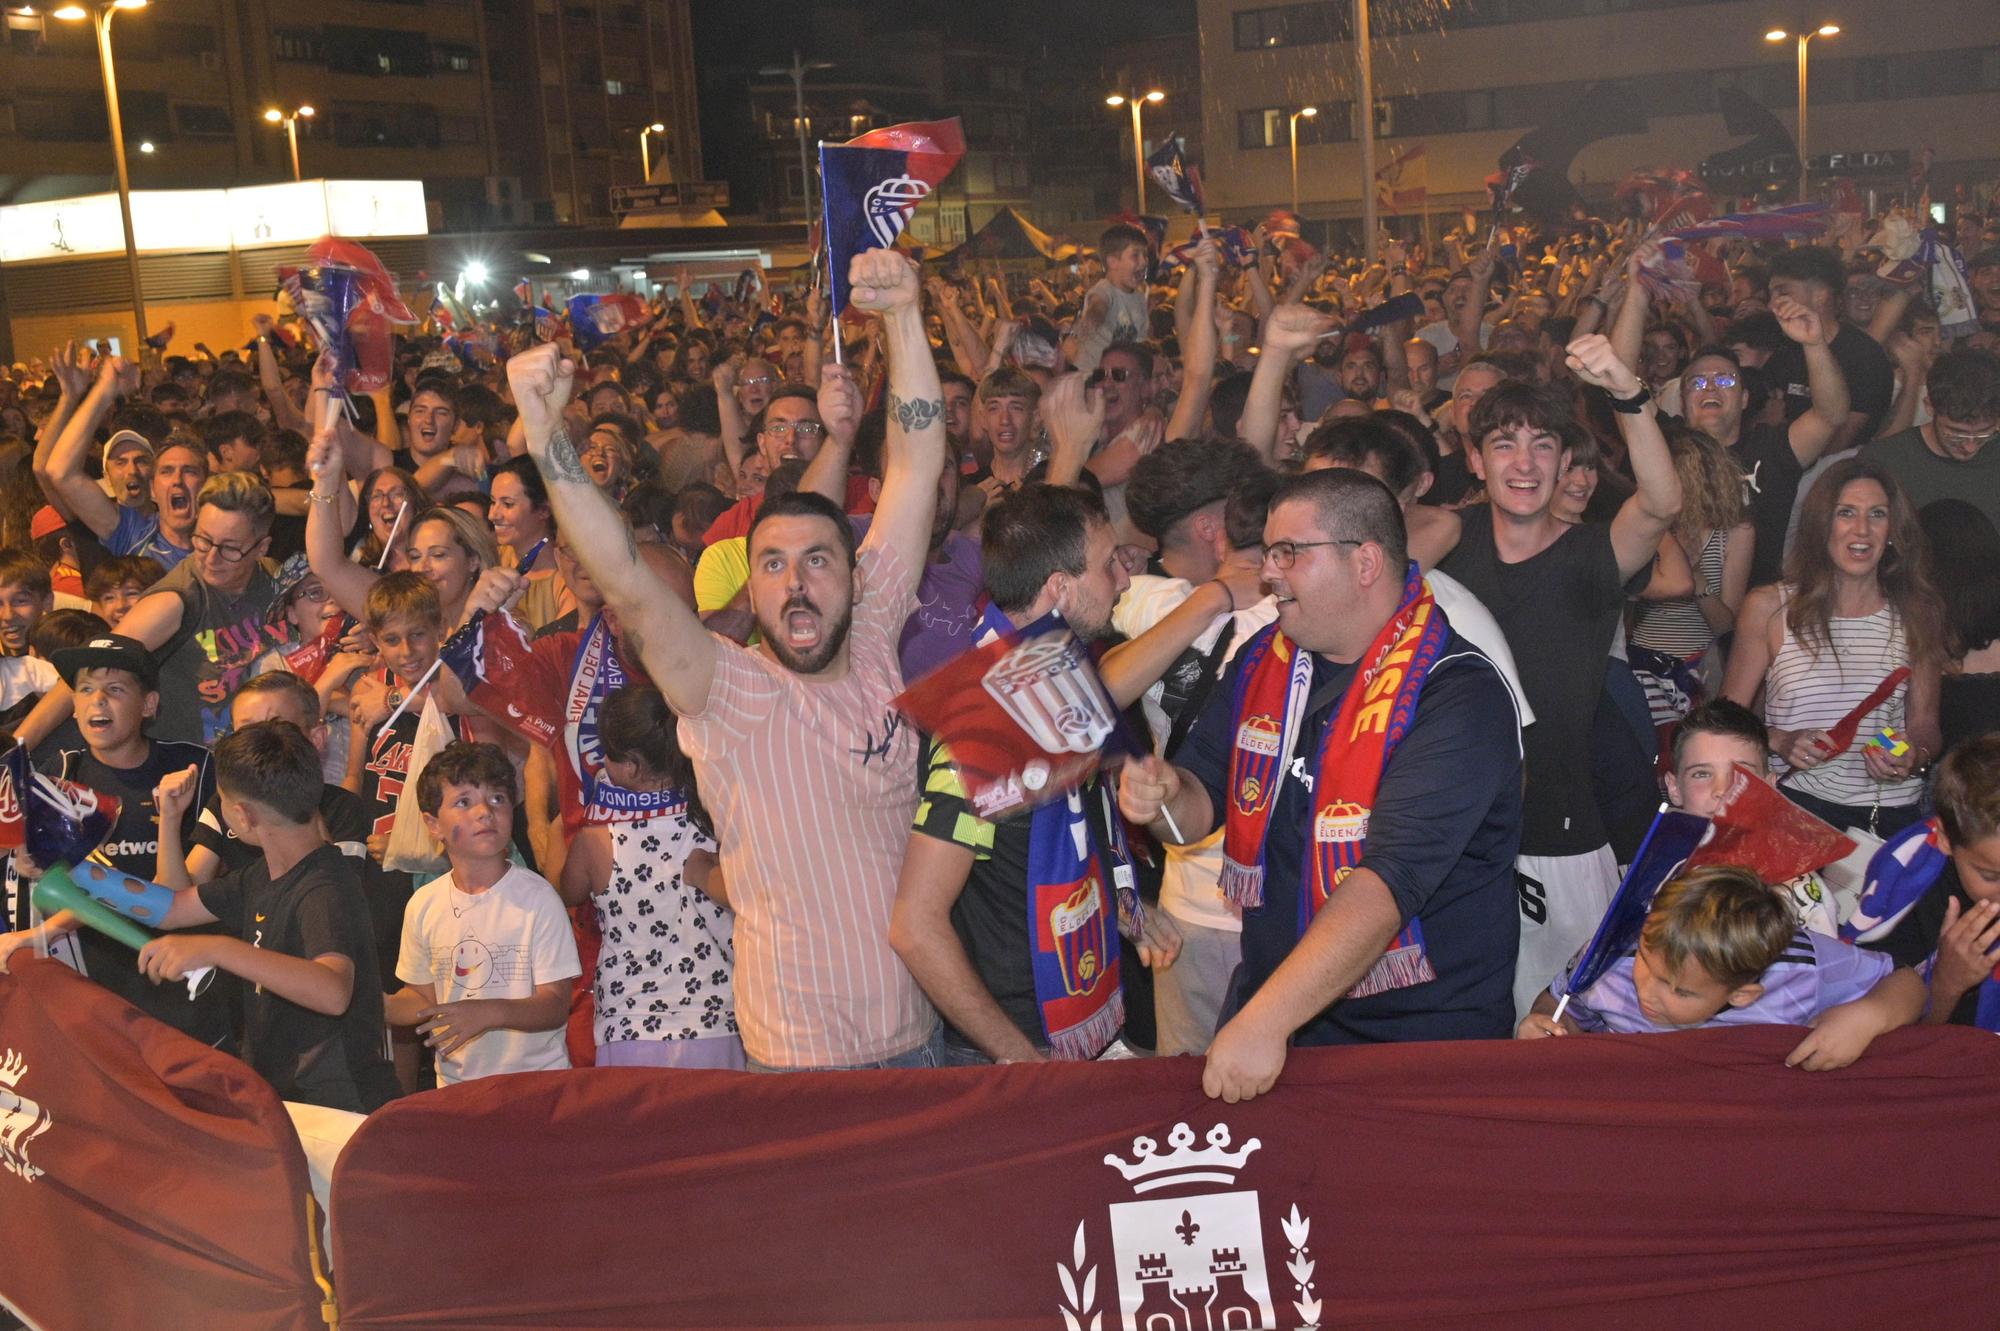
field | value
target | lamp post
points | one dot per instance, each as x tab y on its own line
1293	125
290	120
100	17
1134	100
797	71
1364	56
645	151
1779	35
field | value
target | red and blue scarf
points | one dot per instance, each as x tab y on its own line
1374	715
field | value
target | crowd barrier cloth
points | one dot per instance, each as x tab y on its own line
1636	1182
146	1181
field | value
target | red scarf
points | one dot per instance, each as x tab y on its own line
1375	714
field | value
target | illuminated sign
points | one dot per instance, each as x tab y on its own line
214	219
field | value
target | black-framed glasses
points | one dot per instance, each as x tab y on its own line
1283	554
223	550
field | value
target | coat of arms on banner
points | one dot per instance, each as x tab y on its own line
1186	1256
21	1120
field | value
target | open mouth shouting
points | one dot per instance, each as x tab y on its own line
802	623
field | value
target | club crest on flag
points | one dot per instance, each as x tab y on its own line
889	205
1185	1256
1041	685
21	1119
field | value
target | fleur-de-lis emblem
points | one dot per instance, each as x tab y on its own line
1187	1229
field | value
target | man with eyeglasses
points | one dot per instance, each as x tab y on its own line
1952	455
206	622
1364	764
790	426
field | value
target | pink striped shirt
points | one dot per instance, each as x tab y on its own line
813	787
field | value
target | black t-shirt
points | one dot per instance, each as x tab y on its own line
132	847
1771	475
340	809
1443	834
211	653
1560	612
314	910
1871	379
1913	940
1452	482
288	536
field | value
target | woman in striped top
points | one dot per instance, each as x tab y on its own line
1857	603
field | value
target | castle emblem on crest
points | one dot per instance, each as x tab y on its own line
1186	1256
21	1120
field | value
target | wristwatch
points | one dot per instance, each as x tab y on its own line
1631	406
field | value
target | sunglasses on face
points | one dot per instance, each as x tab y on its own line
1123	375
1702	382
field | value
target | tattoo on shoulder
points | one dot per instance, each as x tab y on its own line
914	416
560	462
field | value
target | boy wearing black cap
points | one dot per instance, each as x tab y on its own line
116	685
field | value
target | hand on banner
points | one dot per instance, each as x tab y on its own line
1295	328
541	379
449	1027
497	589
1243	1062
840	405
1964	949
882	281
1840	1035
1537	1025
1592	360
14	942
1146	786
172	956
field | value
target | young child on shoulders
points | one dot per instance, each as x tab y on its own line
1944	913
487	956
1720	949
1712	739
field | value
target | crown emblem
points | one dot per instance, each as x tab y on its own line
1152	1170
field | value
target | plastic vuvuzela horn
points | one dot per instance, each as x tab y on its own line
55	891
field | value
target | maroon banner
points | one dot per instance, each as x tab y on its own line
1638	1182
145	1180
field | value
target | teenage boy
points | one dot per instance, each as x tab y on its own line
487	956
1557	591
1712	741
165	528
1719	949
1944	885
26	594
297	927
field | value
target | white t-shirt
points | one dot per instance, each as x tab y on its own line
23	677
1441	336
1189	887
499	943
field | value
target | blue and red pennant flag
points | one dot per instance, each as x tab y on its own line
1180	178
60	822
351	302
595	319
1672	838
501	674
872	184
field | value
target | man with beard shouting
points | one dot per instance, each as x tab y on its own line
808	771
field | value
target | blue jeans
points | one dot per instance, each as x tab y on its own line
929	1054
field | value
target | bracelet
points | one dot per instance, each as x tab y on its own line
318	498
1631	406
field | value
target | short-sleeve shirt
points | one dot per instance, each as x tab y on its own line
499	943
1443	834
340	810
1925	476
211	653
138	533
1559	610
812	787
1814	973
314	910
1771	475
1871	379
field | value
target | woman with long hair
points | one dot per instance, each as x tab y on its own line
518	509
1671	637
389	498
1856	605
663	993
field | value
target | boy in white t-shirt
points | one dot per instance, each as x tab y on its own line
487	956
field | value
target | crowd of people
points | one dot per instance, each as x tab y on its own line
1417	627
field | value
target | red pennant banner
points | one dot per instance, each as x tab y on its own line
1762	831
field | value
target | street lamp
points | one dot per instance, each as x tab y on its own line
100	17
797	71
645	153
1308	112
1779	35
1134	100
291	124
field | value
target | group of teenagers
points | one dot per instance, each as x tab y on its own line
1415	630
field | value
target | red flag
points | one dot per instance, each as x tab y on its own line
503	677
1842	733
1760	830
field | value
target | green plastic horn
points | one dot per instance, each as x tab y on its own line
56	891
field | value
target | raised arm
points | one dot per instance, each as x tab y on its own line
840	413
677	651
67	481
73	377
885	283
729	411
1197	347
1465	324
283	413
1811	433
1289	333
1647	515
346	581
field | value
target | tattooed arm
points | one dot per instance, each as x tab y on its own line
661	626
913	456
